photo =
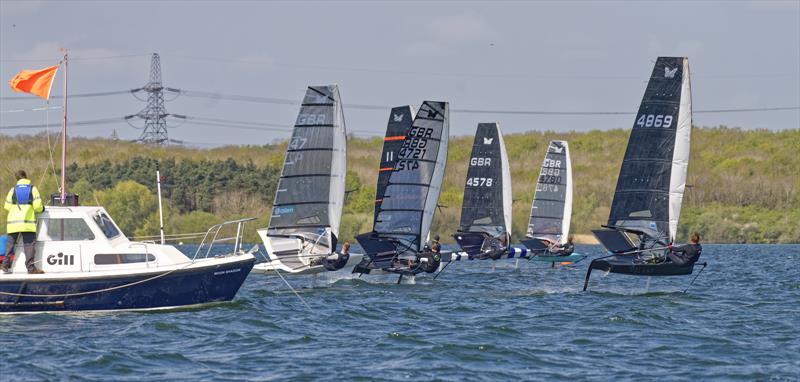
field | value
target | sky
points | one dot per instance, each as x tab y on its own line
563	56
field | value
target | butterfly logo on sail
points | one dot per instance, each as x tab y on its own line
487	141
670	73
321	98
398	117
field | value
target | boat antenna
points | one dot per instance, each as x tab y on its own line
64	132
160	209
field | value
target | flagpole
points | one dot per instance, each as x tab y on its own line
64	136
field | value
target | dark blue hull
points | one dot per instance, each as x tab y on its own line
179	288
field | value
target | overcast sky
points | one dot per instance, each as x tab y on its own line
527	56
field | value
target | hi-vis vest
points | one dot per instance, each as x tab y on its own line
22	203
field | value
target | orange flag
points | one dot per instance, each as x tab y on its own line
36	82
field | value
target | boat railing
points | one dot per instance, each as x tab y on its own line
146	252
212	236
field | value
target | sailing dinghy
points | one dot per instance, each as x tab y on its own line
649	194
485	228
551	210
303	229
405	212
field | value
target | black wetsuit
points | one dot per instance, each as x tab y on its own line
564	250
685	254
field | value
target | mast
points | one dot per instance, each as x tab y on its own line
64	134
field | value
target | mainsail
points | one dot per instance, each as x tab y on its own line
552	203
400	120
487	193
310	195
405	214
652	179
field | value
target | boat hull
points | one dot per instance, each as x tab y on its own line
627	265
217	281
573	258
269	268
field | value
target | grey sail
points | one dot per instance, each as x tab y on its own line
308	201
552	202
652	179
409	201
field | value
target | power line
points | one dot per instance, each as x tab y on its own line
79	58
287	101
81	95
102	121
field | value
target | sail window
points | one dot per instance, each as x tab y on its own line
65	229
122	258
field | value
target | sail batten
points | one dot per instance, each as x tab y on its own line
652	177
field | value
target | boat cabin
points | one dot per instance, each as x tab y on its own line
86	239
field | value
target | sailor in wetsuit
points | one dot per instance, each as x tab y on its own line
335	263
687	253
496	247
556	249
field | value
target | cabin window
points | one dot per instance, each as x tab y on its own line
106	225
66	229
122	258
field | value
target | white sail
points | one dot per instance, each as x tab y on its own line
680	156
338	169
440	111
567	198
507	196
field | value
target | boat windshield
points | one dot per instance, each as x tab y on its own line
106	225
64	229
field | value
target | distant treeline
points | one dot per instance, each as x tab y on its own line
742	184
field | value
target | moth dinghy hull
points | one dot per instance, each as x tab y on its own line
521	253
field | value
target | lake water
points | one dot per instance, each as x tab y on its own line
739	321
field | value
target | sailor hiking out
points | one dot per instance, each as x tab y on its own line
23	202
687	253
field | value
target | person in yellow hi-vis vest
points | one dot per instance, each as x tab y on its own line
22	203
